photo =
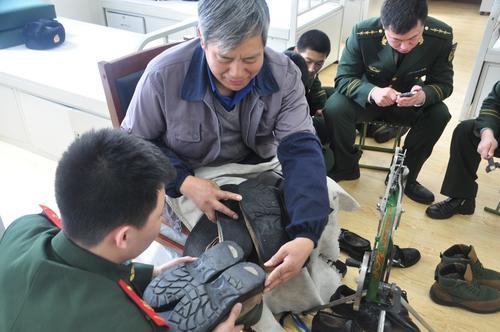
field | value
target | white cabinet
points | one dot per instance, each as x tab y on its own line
353	13
125	21
52	126
487	67
11	121
490	74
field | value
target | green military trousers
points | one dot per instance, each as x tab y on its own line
460	178
341	115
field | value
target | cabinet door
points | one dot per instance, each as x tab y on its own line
82	122
11	120
489	76
48	125
125	21
155	23
353	13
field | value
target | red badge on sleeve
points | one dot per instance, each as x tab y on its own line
142	305
52	216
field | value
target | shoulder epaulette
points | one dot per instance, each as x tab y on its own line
52	216
142	305
438	29
370	32
369	28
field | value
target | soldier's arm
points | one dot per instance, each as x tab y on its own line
350	71
489	116
317	96
439	80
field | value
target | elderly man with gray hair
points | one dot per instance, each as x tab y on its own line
224	107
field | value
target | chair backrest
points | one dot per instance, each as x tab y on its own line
120	77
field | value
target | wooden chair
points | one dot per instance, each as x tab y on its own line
119	78
363	146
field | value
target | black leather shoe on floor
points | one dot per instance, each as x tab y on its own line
353	244
328	322
451	206
405	257
419	193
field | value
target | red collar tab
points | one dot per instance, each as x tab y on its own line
142	305
52	216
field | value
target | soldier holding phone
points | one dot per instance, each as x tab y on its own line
396	68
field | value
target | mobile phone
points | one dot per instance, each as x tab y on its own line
408	94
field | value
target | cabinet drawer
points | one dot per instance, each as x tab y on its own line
125	21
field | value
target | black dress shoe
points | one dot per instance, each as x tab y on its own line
327	322
450	207
385	133
419	193
405	257
353	244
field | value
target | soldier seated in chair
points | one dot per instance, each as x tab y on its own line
401	51
472	140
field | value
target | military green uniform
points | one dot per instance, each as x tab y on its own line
369	61
460	178
47	283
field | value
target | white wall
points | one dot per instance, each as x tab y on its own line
81	10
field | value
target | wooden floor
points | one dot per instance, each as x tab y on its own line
482	229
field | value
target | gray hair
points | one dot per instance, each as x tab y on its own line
230	22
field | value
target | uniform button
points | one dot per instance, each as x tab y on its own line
426	28
380	30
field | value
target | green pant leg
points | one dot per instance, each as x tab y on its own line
461	173
340	118
423	135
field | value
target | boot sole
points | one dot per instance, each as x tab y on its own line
168	288
438	300
264	218
207	305
465	213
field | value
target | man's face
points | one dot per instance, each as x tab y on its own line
404	43
314	61
234	69
145	235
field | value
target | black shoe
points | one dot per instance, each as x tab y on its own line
419	193
353	244
405	257
450	207
345	175
385	133
327	322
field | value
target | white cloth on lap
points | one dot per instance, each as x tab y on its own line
317	281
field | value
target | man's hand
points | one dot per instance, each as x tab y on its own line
206	195
417	99
319	112
174	262
228	324
288	261
384	97
488	144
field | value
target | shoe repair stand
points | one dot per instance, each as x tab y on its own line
492	165
373	281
